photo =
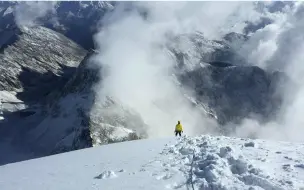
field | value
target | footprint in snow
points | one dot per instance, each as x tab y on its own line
164	176
106	175
154	174
299	166
284	182
287	167
288	158
174	186
254	180
249	144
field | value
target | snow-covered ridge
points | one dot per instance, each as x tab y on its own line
233	163
203	162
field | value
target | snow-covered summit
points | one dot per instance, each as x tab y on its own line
203	162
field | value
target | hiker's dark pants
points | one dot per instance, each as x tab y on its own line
178	133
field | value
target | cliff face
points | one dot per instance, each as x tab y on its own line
233	93
77	20
34	63
77	118
47	100
222	81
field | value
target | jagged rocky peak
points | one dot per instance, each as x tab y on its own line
87	15
61	17
35	61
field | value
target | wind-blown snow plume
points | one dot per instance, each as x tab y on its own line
140	68
279	46
27	13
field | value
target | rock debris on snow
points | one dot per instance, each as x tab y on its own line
299	166
224	151
249	144
106	175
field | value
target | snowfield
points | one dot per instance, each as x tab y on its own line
203	162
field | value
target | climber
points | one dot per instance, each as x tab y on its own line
178	129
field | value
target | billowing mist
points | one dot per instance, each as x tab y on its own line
131	44
27	13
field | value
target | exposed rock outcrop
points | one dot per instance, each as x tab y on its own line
35	61
77	20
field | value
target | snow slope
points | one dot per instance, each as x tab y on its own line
203	162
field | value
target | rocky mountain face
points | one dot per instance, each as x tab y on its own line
35	62
77	20
231	92
48	100
48	74
78	118
34	65
33	58
224	84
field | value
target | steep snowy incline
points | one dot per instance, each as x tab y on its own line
203	162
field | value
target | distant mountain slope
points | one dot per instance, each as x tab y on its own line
36	61
77	20
74	121
65	118
222	80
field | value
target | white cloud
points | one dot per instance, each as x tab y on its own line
279	46
27	13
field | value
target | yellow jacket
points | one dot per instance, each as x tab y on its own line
179	127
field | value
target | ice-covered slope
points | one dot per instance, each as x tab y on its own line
203	162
